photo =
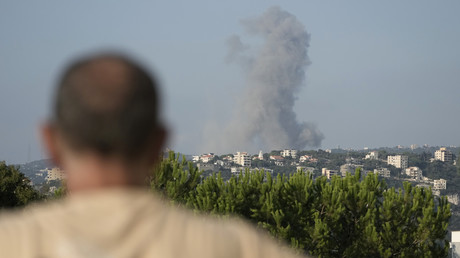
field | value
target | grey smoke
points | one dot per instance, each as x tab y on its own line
264	117
235	47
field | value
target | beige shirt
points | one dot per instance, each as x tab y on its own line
126	223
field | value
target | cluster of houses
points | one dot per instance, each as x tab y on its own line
413	173
241	160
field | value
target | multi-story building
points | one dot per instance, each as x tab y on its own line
54	174
455	244
329	173
383	172
205	158
278	160
443	155
289	153
439	184
373	155
414	172
242	159
453	198
399	161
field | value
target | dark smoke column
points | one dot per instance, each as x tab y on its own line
264	118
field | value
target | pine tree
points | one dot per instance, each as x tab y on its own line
175	179
341	217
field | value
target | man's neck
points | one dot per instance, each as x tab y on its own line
90	172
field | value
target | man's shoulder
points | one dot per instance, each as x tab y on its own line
25	215
21	229
134	220
230	236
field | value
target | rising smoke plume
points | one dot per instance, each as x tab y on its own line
264	117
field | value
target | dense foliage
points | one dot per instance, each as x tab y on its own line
343	217
15	189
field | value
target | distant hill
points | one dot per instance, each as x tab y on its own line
399	150
32	170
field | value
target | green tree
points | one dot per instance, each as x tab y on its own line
15	189
175	179
412	225
341	217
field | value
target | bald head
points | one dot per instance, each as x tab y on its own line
107	104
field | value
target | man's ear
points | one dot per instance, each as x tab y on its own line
50	141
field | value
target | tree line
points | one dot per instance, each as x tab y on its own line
342	217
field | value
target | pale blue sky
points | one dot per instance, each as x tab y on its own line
383	73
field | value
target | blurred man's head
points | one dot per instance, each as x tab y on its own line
107	106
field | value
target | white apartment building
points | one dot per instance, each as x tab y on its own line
383	172
440	184
455	244
205	158
242	159
443	155
414	172
453	198
289	153
329	173
399	161
373	155
54	174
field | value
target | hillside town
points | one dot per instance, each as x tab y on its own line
427	167
393	167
